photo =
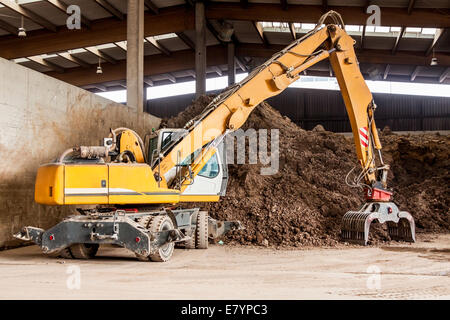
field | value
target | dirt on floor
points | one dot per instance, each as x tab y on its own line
304	202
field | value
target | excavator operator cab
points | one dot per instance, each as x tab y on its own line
211	179
160	140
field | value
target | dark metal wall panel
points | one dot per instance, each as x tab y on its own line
310	107
169	107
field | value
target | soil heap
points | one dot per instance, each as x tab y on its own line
304	202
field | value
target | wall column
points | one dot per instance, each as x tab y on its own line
200	49
135	55
231	64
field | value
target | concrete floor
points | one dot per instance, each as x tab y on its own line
406	271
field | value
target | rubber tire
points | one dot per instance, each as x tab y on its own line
190	244
161	223
201	237
84	250
53	255
66	253
142	258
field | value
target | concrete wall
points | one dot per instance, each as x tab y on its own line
39	118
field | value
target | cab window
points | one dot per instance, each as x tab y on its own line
166	139
211	168
190	158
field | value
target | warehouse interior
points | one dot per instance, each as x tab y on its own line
56	83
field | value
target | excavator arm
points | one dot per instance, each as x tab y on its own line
229	110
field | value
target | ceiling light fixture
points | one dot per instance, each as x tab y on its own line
99	67
434	61
22	31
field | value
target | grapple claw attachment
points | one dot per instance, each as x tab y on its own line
356	224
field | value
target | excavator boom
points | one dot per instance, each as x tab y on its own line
229	111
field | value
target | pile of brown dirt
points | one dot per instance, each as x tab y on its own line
304	202
189	113
420	177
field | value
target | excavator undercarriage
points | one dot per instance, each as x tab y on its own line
151	235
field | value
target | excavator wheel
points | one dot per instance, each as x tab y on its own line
53	255
190	244
164	253
65	253
84	250
201	234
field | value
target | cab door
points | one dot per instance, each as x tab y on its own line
211	181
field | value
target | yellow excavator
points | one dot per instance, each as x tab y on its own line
137	184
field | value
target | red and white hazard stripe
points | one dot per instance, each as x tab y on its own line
364	137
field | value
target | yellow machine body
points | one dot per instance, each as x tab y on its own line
100	183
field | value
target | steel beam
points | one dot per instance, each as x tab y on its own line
411	6
200	49
240	64
74	59
437	37
231	63
102	31
155	43
27	13
398	39
46	63
386	71
122	45
110	8
148	81
151	6
311	13
63	7
259	29
101	54
191	73
170	77
366	56
415	73
217	55
292	30
363	36
153	65
8	27
444	75
187	41
324	6
217	70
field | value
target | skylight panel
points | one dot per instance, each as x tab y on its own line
429	30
